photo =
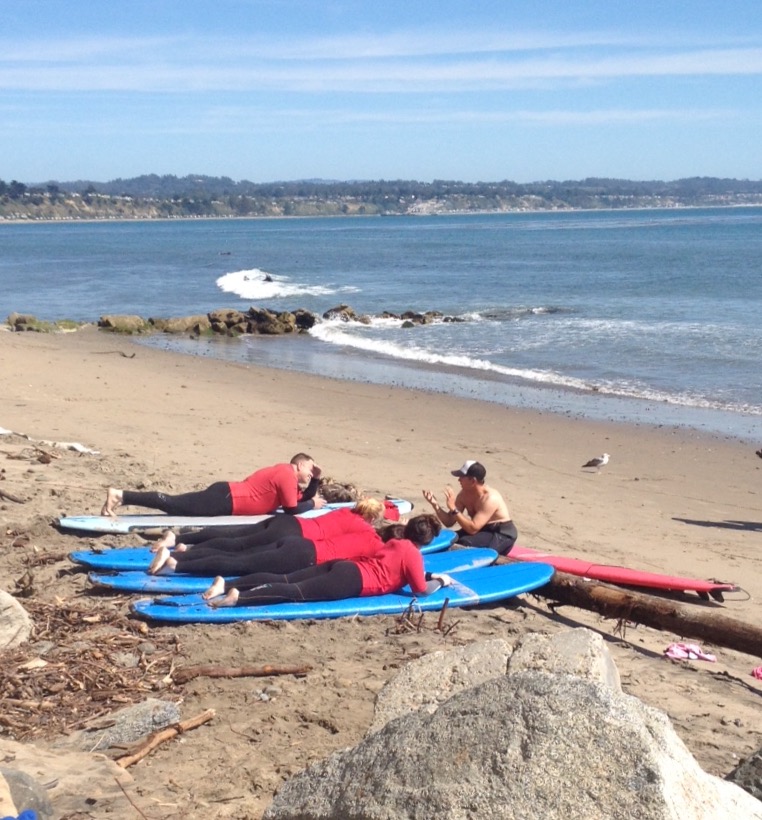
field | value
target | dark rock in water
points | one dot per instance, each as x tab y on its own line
304	319
181	324
343	312
226	316
268	323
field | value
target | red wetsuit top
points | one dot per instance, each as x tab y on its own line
266	490
336	522
397	563
348	546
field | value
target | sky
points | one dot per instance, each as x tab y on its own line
473	90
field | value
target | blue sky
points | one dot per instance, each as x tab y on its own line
473	90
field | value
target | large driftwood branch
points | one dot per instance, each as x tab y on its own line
654	612
187	673
9	497
157	738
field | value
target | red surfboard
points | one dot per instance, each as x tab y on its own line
624	576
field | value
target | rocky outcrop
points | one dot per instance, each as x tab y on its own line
183	324
231	321
124	324
554	738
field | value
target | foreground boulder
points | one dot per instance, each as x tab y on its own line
535	743
15	623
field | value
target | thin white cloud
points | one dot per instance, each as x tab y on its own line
245	119
376	77
426	61
428	43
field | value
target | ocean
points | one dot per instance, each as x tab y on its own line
648	316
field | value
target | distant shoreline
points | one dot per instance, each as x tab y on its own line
279	217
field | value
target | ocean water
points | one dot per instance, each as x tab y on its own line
646	316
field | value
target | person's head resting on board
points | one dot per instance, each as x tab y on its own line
471	470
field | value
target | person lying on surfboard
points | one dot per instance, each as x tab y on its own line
478	510
288	544
292	486
396	563
240	537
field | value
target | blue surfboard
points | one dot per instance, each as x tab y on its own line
139	558
472	587
135	523
140	581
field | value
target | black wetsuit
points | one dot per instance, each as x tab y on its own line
500	536
213	500
331	581
282	556
240	537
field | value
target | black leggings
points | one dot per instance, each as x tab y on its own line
214	500
285	555
499	537
331	581
240	537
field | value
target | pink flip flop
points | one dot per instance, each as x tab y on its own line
689	652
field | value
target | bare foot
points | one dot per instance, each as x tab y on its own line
216	589
166	540
181	547
231	599
113	501
162	561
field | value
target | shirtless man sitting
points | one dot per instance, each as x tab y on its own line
478	510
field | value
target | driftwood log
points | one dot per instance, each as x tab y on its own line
184	674
658	613
157	738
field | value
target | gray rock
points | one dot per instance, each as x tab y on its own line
578	652
536	743
748	774
15	623
181	324
123	727
226	317
27	793
123	324
429	681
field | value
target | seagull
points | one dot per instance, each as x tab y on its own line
597	462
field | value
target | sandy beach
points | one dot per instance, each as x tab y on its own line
669	501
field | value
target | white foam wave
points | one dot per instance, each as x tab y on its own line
258	285
339	333
336	333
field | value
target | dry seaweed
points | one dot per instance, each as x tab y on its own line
82	662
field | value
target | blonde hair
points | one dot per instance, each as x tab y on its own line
371	509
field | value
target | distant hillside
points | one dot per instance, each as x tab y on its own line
165	197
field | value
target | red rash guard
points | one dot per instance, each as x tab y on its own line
352	546
397	563
265	490
337	522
